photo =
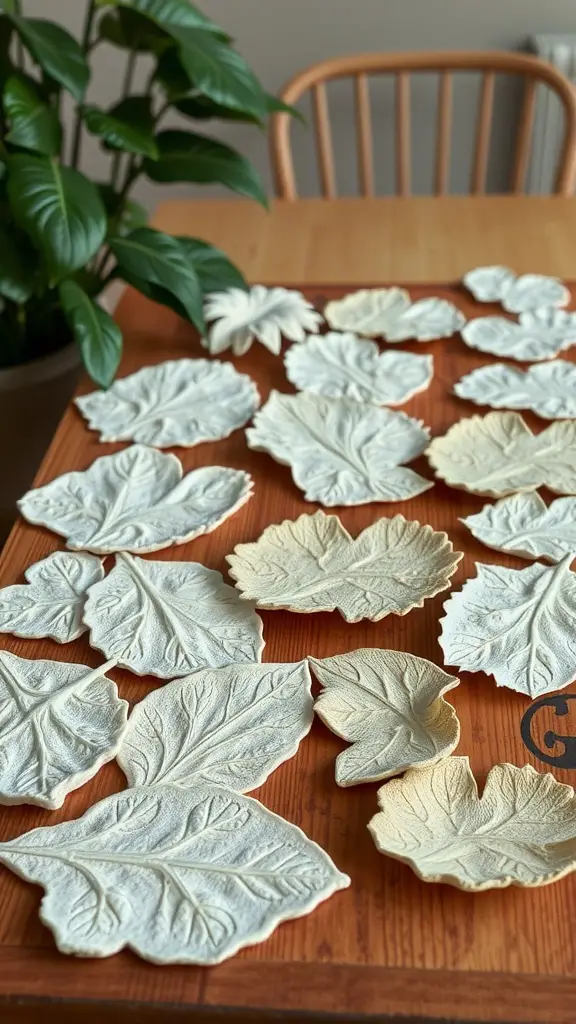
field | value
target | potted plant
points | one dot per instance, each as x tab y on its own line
64	237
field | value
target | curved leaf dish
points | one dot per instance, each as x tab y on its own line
522	831
515	624
136	500
524	525
314	565
549	389
229	726
390	706
341	452
260	314
51	602
59	723
389	313
167	619
498	455
342	366
539	335
516	294
180	402
178	876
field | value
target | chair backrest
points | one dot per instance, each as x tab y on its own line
359	67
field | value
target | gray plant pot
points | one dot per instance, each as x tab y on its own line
33	398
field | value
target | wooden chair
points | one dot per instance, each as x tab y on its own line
401	65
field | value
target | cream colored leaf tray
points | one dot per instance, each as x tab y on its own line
549	389
260	314
498	454
539	335
136	500
180	402
340	451
390	706
517	294
515	624
342	366
521	831
51	602
389	313
313	565
524	525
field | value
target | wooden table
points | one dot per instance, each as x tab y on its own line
390	947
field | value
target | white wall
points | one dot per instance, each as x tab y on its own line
279	37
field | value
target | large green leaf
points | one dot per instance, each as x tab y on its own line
132	31
171	76
201	108
98	337
219	72
185	156
6	66
153	292
128	126
215	271
16	268
168	13
59	209
56	51
34	124
124	215
156	258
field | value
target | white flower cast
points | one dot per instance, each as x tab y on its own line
262	314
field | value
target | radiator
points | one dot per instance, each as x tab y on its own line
559	50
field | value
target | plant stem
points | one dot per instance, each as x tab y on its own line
86	34
129	74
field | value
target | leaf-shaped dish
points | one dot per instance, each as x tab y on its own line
136	500
524	525
390	706
176	875
522	831
341	452
539	335
51	602
314	565
389	313
179	402
342	366
548	389
516	294
167	619
229	726
59	723
498	454
515	624
261	314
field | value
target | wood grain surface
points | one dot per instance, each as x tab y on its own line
390	944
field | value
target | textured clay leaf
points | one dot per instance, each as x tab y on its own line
549	390
524	525
539	335
179	876
341	452
51	602
389	705
136	500
498	454
314	565
230	726
342	366
522	831
179	402
59	723
515	624
260	314
516	294
389	313
170	618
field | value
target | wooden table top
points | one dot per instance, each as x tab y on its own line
389	945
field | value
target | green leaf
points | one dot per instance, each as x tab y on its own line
171	76
185	156
215	271
16	278
128	126
153	292
156	258
168	13
59	209
124	215
98	337
201	108
219	72
56	51
6	66
132	31
34	124
277	106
